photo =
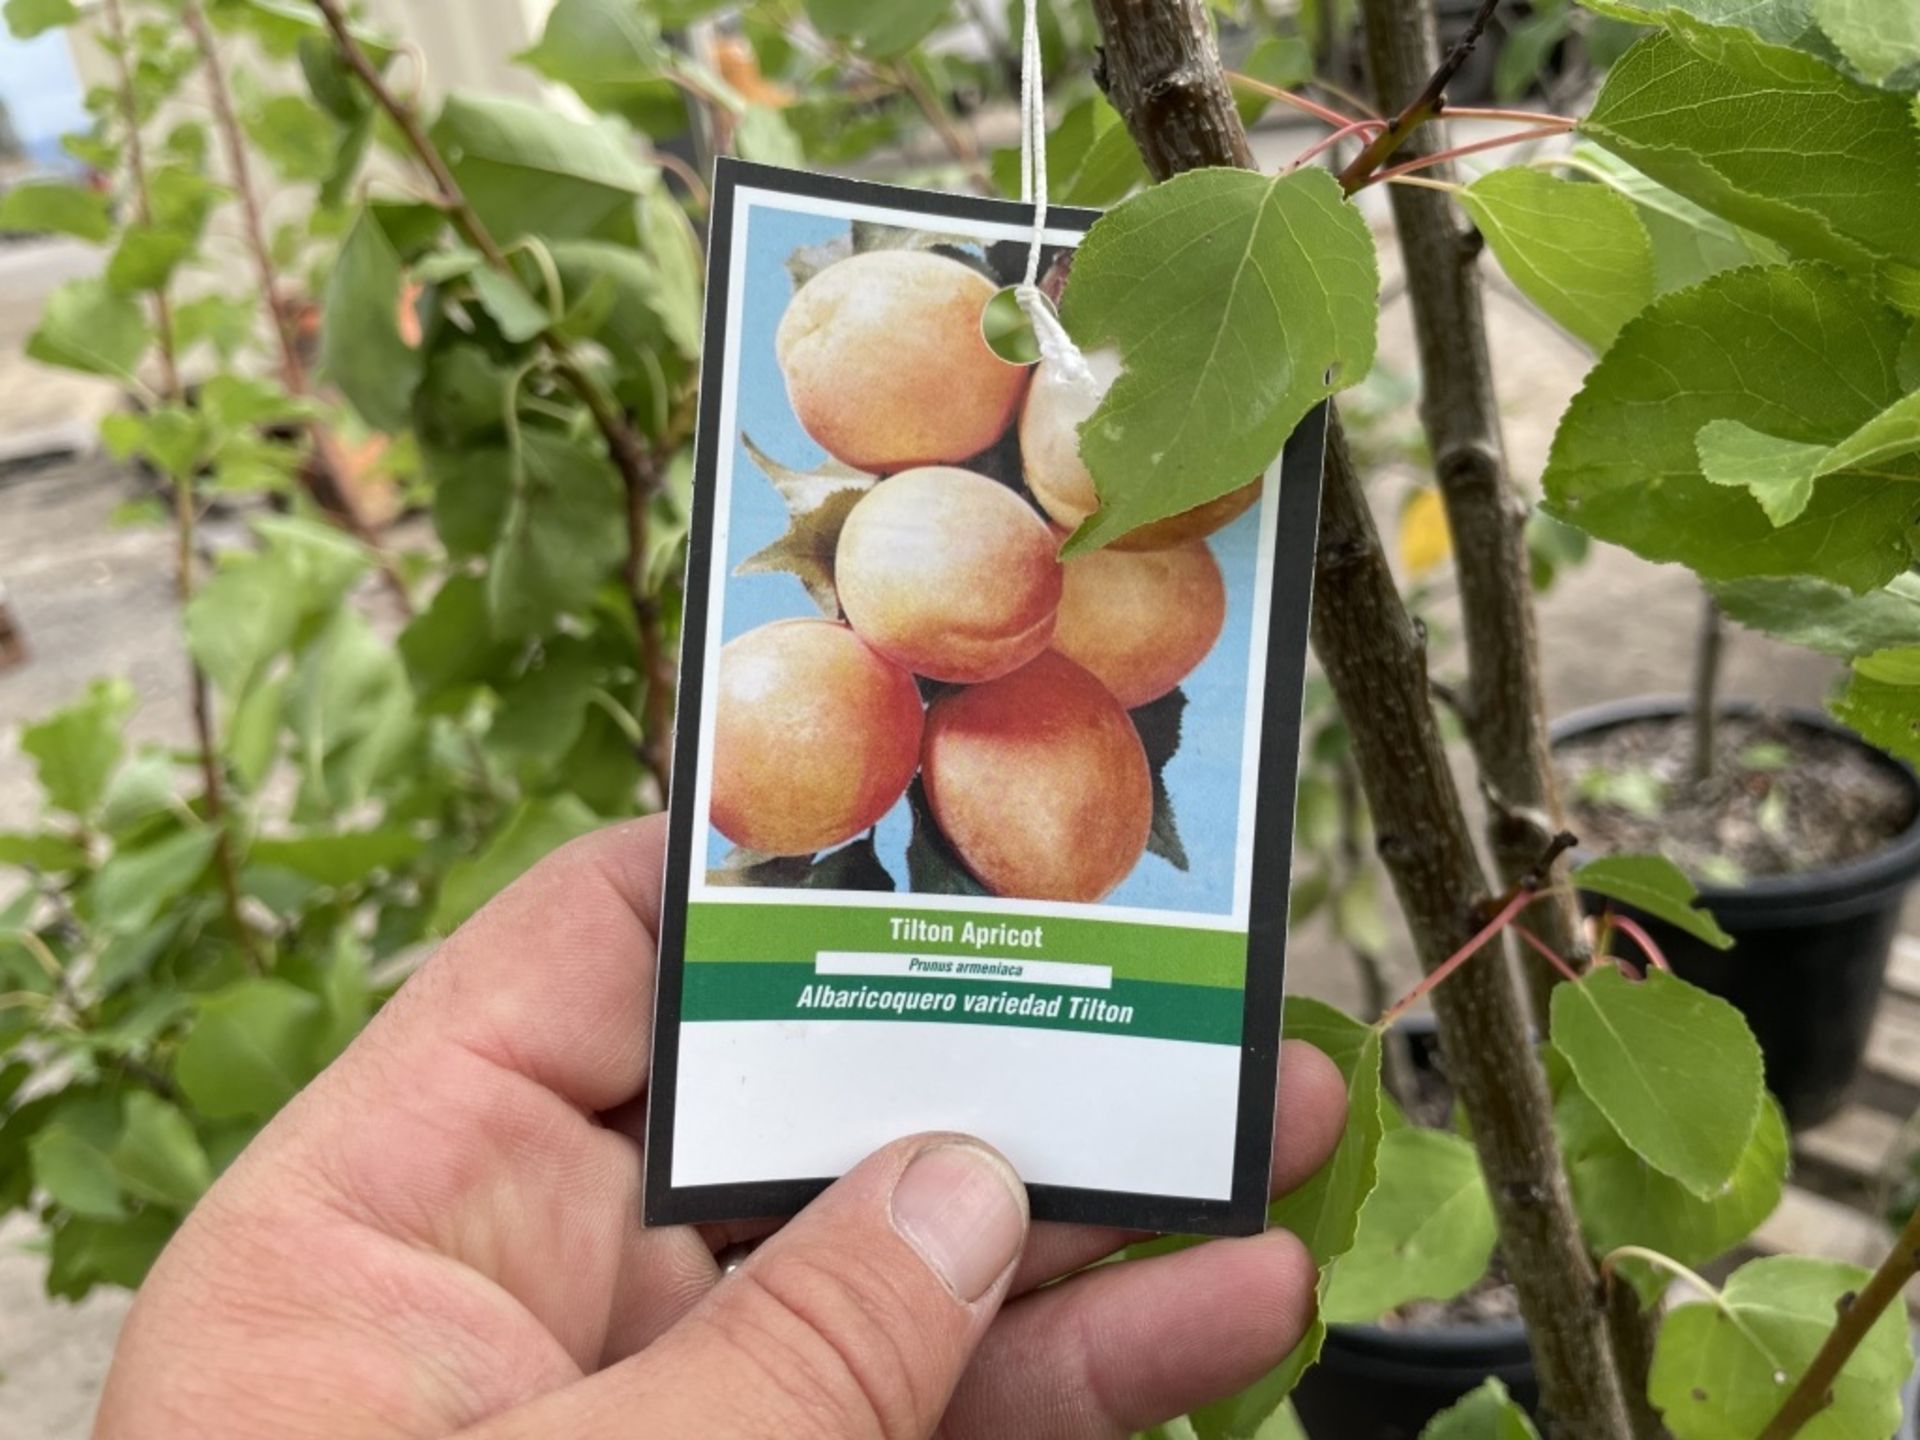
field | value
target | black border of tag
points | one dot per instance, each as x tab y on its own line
1298	520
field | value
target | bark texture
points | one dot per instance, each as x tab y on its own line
1163	74
1502	705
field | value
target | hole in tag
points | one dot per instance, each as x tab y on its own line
1007	330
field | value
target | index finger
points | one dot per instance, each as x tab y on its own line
553	979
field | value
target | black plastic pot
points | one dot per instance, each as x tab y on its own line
1810	950
1377	1384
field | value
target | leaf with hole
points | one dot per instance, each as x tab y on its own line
1675	1070
1720	1372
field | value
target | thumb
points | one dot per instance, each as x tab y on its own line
854	1320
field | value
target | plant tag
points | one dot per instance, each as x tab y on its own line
962	838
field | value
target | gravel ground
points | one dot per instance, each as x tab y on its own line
95	600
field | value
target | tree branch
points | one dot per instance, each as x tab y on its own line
1460	413
325	475
1814	1393
174	393
1164	78
631	457
1424	105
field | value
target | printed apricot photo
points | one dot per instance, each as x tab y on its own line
915	691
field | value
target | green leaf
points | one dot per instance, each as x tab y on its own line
1878	37
535	828
221	321
46	207
565	531
1576	250
299	139
1426	1232
251	1048
140	789
1720	1372
1091	159
855	866
519	316
1656	885
877	29
1674	1069
158	1157
1883	714
1784	22
763	135
1282	61
1770	138
542	713
146	257
529	170
135	885
28	18
257	605
72	1157
88	326
1689	243
1828	618
450	643
1238	301
1325	1211
1622	1200
611	54
343	858
1624	464
655	291
1779	473
76	750
1489	1413
362	350
87	1252
48	852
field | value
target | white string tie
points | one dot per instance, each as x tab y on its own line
1056	346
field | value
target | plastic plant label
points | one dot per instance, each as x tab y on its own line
964	837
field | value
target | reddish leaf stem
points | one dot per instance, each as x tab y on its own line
1525	117
1547	953
1646	942
1453	962
1327	142
1325	113
1441	157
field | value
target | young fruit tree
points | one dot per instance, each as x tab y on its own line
508	325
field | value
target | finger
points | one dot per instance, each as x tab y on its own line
1310	1114
553	979
856	1320
1125	1347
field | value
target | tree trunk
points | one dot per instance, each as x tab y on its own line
1502	706
1163	73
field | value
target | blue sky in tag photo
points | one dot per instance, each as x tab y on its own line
1204	775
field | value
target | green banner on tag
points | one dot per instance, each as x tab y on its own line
1130	950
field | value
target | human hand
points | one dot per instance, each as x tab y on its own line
441	1235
